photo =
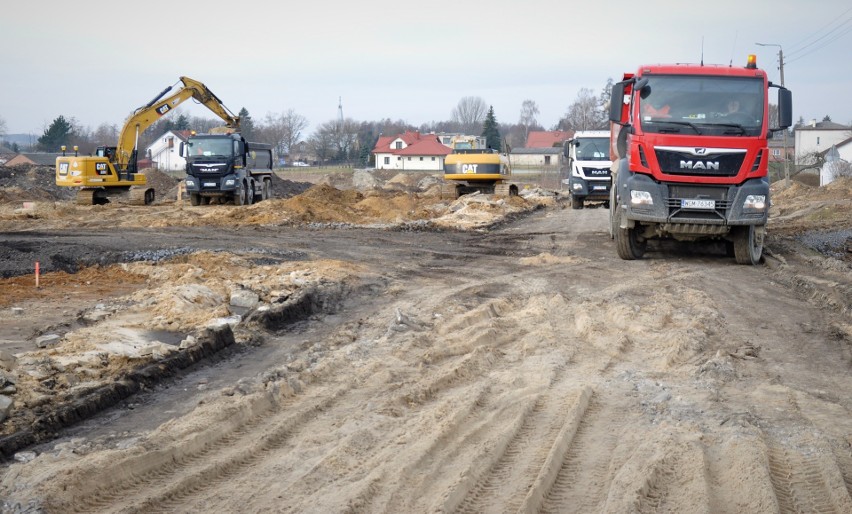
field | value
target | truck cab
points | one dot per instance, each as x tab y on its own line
226	166
588	162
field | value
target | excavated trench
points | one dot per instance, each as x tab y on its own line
307	302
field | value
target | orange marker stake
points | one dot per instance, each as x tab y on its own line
37	274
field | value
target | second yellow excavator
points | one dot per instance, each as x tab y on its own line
112	171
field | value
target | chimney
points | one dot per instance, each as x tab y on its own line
813	123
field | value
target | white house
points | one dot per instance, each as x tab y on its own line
410	151
165	151
815	138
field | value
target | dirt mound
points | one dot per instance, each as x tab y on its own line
26	182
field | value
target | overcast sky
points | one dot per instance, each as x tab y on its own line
97	60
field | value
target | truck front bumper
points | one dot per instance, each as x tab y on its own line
645	200
589	189
211	185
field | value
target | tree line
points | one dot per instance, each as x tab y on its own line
347	140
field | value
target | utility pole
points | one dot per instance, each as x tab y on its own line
781	70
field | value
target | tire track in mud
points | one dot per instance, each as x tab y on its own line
524	463
581	482
178	473
811	482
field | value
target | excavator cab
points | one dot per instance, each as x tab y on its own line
105	151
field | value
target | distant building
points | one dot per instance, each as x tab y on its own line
410	151
460	141
548	138
35	159
818	137
165	151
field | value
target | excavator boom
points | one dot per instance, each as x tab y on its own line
147	115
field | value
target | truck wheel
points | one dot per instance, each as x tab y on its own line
250	193
613	214
748	246
267	189
628	243
194	199
576	203
240	194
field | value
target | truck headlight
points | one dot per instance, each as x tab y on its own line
641	198
577	186
190	183
229	182
755	202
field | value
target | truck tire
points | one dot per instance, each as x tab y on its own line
240	194
748	247
628	244
267	189
194	199
250	193
576	203
613	213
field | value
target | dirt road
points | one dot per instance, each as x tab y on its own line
522	369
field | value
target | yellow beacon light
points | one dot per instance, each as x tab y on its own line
752	62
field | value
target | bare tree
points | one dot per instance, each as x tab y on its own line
294	124
470	113
2	127
322	141
529	111
585	113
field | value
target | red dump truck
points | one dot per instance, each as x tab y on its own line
690	156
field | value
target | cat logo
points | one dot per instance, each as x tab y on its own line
163	109
101	168
469	168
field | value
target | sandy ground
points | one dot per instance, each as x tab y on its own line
453	360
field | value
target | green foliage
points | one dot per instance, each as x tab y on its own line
181	123
57	134
490	131
246	124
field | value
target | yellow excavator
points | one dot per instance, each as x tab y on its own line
470	169
112	171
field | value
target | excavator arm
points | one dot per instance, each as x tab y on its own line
146	115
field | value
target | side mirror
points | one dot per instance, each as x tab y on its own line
181	148
616	102
785	108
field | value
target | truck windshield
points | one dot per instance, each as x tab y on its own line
206	147
593	149
717	105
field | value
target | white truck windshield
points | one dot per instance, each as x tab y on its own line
592	149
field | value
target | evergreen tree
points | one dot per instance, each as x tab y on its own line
246	124
181	123
490	131
57	134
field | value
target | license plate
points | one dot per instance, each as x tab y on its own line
698	204
209	184
599	188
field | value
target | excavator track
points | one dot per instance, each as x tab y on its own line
505	189
86	197
140	196
449	190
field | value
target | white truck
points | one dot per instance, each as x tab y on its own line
588	163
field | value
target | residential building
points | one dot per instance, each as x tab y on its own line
539	158
548	138
818	137
410	151
165	151
460	141
35	159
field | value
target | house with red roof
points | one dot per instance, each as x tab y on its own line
411	151
165	151
548	138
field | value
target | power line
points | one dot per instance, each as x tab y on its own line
800	44
823	45
832	34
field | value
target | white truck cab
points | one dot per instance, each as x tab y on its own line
588	162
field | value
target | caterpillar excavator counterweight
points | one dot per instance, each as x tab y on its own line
112	171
